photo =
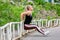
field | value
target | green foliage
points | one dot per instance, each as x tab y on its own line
48	17
9	13
49	6
57	8
38	2
29	3
56	0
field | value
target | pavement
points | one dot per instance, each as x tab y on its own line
53	35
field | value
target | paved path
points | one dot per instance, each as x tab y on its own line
54	35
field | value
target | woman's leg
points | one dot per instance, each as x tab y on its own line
32	26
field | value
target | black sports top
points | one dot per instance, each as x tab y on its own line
28	19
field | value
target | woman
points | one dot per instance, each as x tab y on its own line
27	18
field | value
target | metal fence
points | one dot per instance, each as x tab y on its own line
14	30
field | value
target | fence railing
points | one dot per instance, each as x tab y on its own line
14	30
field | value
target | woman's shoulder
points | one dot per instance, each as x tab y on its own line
27	12
23	13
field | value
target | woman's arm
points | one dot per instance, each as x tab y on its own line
22	16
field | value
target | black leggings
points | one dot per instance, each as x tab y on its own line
32	26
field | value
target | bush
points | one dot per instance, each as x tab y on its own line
49	6
57	8
29	3
9	13
38	2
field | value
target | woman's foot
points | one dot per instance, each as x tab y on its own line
46	33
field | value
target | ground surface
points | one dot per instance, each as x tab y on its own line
53	35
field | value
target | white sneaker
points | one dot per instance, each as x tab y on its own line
46	33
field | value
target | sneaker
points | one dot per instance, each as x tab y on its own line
46	33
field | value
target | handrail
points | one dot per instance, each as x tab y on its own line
10	30
5	26
32	20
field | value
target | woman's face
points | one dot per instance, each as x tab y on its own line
30	8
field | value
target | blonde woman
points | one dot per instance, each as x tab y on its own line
27	18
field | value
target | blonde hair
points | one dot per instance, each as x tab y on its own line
27	7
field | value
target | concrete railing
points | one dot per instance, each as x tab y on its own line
14	30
